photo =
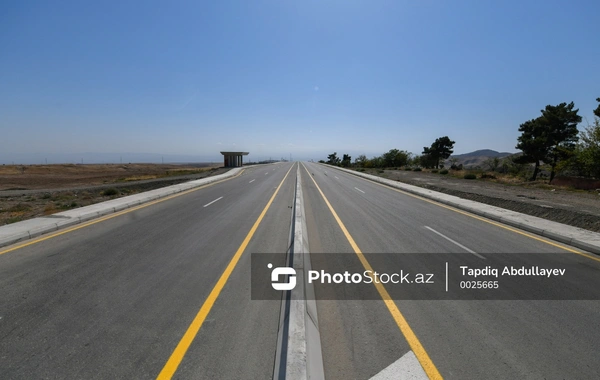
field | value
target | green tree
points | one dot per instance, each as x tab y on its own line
360	161
376	162
533	144
441	148
346	160
560	123
333	159
550	138
395	157
597	110
588	150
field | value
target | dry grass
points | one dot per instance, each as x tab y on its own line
140	178
22	177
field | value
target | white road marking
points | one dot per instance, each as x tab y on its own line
455	242
359	190
266	173
406	368
252	180
446	276
208	204
336	176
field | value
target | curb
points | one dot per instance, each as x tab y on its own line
577	237
304	358
31	228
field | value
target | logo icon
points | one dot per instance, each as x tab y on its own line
282	271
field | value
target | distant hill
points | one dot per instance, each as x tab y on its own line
477	158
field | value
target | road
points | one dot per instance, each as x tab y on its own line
164	291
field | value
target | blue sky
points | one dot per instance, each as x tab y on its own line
285	77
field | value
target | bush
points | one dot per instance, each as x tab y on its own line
110	192
408	169
489	176
470	176
417	169
434	171
379	171
445	171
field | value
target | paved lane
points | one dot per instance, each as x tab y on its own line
464	339
112	300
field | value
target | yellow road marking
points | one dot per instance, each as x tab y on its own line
175	359
119	213
414	343
497	224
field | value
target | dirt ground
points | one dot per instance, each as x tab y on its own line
560	204
37	190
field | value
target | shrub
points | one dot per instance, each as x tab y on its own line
470	176
417	169
490	176
110	192
408	169
445	171
379	171
434	171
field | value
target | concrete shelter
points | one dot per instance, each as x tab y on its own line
233	159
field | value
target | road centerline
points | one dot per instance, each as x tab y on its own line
252	180
455	242
359	190
210	203
411	338
184	344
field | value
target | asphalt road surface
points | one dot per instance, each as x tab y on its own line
164	291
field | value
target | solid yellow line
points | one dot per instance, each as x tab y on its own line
175	359
466	213
119	213
414	343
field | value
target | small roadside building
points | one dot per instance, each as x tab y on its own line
233	159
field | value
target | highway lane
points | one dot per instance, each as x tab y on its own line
463	339
113	300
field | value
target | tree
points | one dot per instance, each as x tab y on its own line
560	123
375	162
346	161
532	143
333	159
395	157
550	138
588	150
441	148
597	110
360	161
